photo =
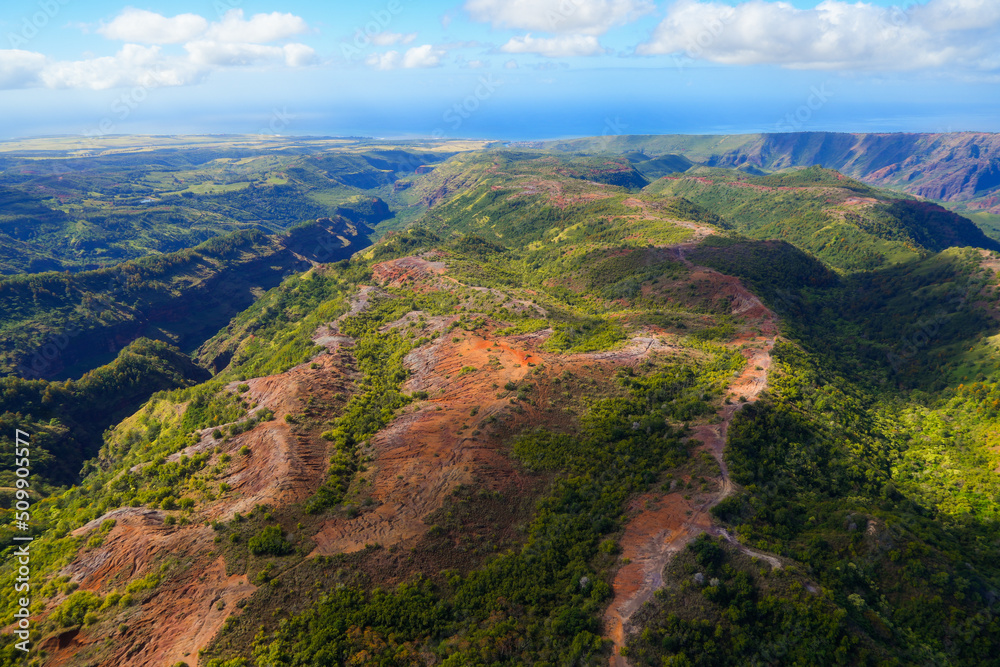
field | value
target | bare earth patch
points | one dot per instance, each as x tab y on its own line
663	524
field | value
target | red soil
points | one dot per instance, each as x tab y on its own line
183	616
418	459
396	272
663	524
423	455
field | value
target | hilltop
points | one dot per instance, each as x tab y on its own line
564	408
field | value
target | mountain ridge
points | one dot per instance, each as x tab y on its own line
961	167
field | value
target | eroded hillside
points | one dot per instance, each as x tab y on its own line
559	421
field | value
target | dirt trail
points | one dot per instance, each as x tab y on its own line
418	460
663	524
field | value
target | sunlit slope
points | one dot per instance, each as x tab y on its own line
847	224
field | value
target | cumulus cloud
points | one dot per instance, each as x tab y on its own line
145	27
233	41
259	29
20	69
392	38
299	55
588	17
833	35
949	15
555	47
423	56
133	65
417	57
221	54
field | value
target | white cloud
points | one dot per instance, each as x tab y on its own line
949	15
145	27
555	47
589	17
260	29
231	42
419	56
133	65
392	38
220	54
422	56
299	55
384	61
20	69
833	35
510	64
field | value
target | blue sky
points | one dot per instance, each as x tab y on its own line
493	68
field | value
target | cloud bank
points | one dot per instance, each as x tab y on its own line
232	41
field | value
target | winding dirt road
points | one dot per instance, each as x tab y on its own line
663	524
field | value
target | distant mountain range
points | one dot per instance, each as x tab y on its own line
962	167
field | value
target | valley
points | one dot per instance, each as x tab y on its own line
466	403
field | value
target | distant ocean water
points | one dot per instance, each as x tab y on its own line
523	121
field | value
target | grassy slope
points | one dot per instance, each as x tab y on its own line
847	224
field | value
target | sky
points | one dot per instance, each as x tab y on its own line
515	69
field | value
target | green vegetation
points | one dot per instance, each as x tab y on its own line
269	542
848	225
867	467
719	608
64	211
549	591
66	420
61	324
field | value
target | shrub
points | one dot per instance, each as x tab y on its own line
270	542
76	609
